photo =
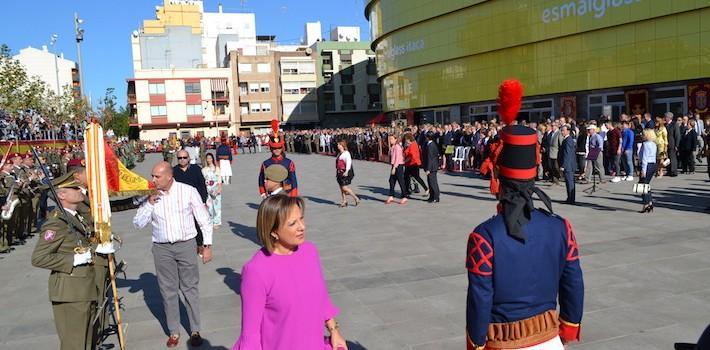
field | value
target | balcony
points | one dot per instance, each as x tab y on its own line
329	107
347	69
328	67
348	107
347	89
131	98
371	69
328	88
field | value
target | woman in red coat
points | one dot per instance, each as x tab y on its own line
412	162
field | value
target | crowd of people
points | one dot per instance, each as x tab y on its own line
186	209
30	125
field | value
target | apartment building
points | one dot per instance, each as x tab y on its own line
298	89
348	91
255	78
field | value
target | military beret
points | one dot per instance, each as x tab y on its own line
276	173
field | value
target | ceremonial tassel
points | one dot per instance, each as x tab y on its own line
510	99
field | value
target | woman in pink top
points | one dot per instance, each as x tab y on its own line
397	170
285	302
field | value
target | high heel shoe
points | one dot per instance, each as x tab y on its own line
357	202
343	204
646	208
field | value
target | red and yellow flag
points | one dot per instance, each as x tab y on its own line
120	180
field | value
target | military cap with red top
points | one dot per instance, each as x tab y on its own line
513	163
275	141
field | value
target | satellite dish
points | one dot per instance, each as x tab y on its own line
309	51
135	33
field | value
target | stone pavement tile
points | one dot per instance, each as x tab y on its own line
422	330
372	338
621	321
32	328
410	275
455	343
40	342
228	318
450	302
144	330
369	281
399	311
370	296
427	288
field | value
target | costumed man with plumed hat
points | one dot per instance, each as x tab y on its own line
523	260
276	144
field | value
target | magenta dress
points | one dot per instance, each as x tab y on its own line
285	302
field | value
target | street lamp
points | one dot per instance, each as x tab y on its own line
79	32
53	43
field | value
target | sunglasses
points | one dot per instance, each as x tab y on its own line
182	157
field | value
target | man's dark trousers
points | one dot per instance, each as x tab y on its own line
569	183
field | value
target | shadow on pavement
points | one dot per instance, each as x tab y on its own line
205	345
455	194
355	345
319	200
232	279
253	206
148	283
246	232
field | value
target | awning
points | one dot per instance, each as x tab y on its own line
219	84
378	119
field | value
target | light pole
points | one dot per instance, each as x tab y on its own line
53	43
79	32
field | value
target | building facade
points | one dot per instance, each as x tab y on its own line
348	91
181	84
185	102
54	70
443	60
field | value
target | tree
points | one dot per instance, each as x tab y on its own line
5	51
116	120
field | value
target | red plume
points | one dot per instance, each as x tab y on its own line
275	127
510	98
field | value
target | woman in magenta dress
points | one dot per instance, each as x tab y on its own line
285	302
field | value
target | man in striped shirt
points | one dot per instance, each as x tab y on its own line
173	212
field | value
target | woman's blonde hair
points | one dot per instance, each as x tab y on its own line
649	135
273	212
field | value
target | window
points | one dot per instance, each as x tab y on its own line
192	88
348	99
263	67
244	107
156	88
194	110
254	107
220	108
596	105
266	107
264	87
346	79
289	68
306	90
244	67
292	68
299	108
298	87
243	88
156	111
306	67
253	88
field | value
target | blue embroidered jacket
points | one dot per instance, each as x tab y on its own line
510	280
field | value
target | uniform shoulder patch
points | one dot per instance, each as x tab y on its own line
572	248
479	258
49	235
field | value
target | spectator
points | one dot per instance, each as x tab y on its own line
345	173
647	158
688	144
627	147
397	170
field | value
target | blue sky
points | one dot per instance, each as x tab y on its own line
106	51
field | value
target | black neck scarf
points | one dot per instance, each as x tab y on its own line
517	202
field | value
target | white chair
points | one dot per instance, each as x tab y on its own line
459	157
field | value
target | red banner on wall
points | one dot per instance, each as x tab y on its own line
568	107
698	99
636	102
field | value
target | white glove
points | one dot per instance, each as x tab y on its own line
82	258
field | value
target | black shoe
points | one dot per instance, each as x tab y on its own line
433	200
569	203
195	339
684	346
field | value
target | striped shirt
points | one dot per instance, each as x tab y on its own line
173	215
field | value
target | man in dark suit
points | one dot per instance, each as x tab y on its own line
674	135
568	162
431	166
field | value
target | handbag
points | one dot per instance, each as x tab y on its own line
449	149
640	188
666	162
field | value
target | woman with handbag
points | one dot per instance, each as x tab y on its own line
647	158
344	173
661	145
285	301
213	180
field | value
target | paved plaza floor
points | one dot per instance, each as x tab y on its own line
397	272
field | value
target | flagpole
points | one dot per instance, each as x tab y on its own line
116	305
